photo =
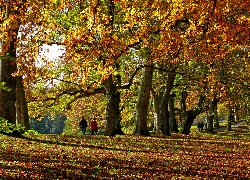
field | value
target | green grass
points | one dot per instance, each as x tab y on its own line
196	156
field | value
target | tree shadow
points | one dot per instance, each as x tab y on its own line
65	142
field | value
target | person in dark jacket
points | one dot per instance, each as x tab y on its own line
83	125
94	127
199	126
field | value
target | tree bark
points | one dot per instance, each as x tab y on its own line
143	102
189	119
157	115
8	61
118	128
236	114
216	117
210	120
164	104
8	95
190	115
113	115
111	105
230	118
183	106
21	105
173	123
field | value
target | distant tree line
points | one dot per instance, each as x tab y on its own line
48	125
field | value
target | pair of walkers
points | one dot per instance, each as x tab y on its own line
200	126
83	126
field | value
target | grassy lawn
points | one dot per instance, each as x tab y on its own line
197	156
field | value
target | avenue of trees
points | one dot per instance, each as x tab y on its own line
140	65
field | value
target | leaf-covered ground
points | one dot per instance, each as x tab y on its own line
197	156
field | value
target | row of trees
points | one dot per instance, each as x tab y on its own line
120	56
49	125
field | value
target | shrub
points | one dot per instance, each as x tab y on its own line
31	132
7	127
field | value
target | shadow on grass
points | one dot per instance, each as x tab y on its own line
116	168
148	157
65	141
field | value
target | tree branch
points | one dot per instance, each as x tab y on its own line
78	93
215	2
127	85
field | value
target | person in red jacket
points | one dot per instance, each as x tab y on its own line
94	127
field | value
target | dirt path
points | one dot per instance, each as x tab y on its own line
224	128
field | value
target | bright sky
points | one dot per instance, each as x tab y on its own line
52	51
49	52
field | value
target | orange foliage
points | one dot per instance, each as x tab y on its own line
96	34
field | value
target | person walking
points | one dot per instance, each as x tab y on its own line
94	127
83	125
199	126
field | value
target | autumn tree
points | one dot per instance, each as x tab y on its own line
109	31
233	80
100	48
211	46
97	35
12	97
143	99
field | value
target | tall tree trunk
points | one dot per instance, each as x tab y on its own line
189	119
8	60
157	118
143	102
8	95
178	114
236	114
118	128
21	105
173	123
210	120
216	117
7	67
111	105
113	115
164	104
230	118
190	116
183	106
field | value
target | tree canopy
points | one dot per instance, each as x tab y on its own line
104	45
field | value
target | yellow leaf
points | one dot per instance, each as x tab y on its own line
224	36
114	37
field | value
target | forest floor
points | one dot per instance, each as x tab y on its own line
219	155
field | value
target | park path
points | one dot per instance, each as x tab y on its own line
235	125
